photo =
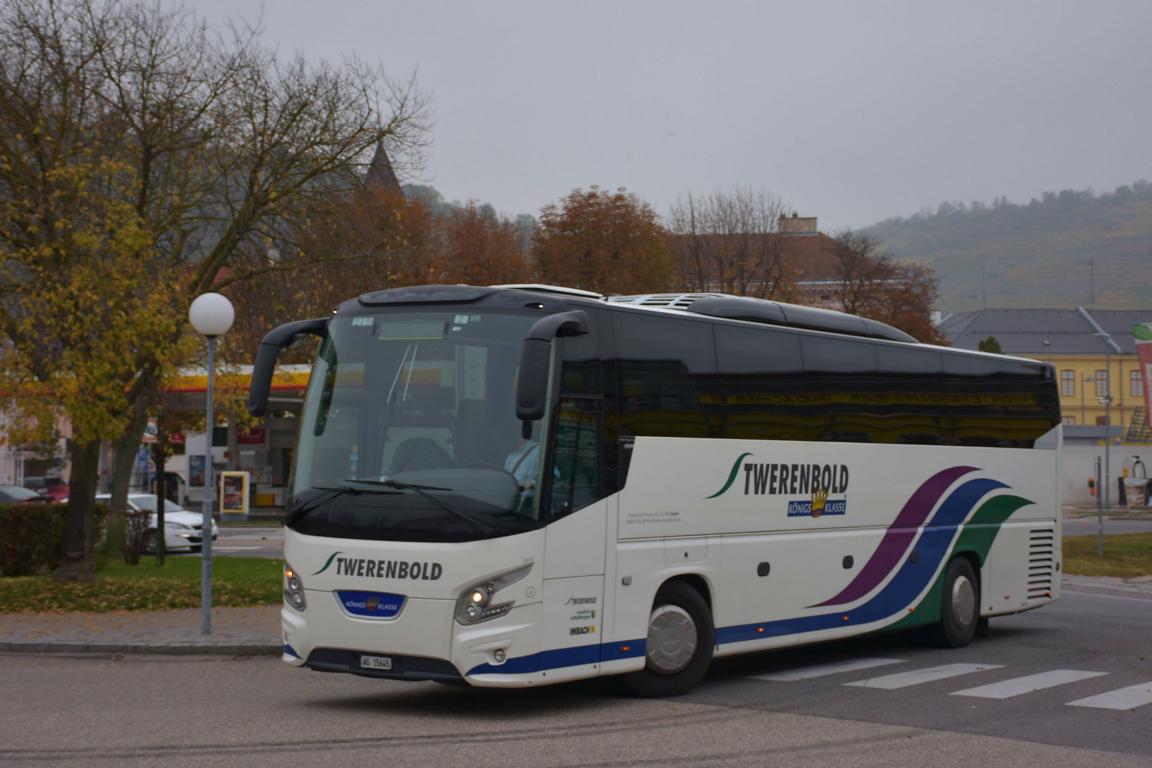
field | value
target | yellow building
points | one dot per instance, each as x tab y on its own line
1086	381
1101	388
1092	351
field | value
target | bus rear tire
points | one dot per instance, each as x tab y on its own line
959	605
679	645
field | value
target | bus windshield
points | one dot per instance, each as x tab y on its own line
409	430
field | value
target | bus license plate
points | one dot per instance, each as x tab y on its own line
375	662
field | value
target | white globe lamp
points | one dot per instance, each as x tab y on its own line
211	314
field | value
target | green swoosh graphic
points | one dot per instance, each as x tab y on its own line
976	536
327	563
731	476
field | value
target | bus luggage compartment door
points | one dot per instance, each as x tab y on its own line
573	626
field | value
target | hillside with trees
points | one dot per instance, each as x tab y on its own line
1062	249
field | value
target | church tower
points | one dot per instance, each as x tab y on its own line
381	175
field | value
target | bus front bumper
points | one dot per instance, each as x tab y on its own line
424	642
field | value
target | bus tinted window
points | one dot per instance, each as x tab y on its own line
662	364
846	402
780	385
839	356
575	481
580	369
759	391
759	351
999	403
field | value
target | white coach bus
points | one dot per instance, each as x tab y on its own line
522	485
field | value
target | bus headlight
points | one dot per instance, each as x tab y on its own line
477	602
293	588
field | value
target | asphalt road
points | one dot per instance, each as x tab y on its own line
250	541
225	712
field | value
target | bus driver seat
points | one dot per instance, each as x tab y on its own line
419	453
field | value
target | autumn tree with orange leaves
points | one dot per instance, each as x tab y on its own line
610	242
363	240
872	284
481	249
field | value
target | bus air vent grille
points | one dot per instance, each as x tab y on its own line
1041	563
665	300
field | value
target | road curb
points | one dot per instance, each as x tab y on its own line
162	649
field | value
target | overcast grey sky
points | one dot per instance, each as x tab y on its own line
850	111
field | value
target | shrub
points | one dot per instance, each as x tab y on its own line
31	537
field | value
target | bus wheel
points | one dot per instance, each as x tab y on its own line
960	607
679	643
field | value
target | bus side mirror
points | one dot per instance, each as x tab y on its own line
270	346
535	357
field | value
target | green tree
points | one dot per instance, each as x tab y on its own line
990	344
140	155
872	284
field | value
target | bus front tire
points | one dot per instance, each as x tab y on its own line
678	649
959	605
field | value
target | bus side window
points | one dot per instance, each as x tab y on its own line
662	364
576	455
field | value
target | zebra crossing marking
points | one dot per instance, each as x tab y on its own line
822	670
920	676
1006	689
1121	699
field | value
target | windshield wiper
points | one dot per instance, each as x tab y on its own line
397	484
423	491
327	495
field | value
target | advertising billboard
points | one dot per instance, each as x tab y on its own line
1142	333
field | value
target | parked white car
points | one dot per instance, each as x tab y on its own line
183	528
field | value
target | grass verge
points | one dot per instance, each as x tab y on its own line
1126	556
236	582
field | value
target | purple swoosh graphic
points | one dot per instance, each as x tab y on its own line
899	536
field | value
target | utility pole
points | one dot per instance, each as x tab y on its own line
161	484
983	283
1092	282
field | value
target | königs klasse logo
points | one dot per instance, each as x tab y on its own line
818	483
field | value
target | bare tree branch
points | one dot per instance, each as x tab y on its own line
729	242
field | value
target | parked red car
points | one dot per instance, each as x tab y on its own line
52	488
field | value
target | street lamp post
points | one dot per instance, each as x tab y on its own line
1107	449
211	315
1110	348
1108	427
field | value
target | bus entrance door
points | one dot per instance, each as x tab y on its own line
574	593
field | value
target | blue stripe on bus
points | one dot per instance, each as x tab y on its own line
934	544
913	577
563	657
